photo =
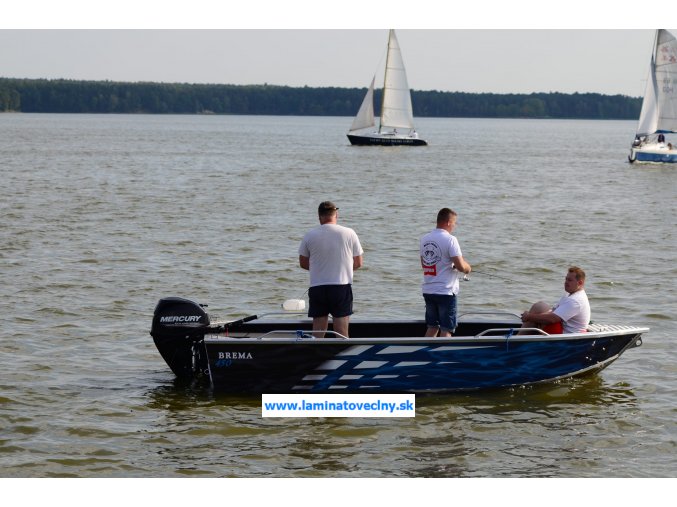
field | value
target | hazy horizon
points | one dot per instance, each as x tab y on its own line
494	48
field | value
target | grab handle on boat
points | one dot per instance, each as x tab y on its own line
328	331
287	313
300	334
510	331
491	313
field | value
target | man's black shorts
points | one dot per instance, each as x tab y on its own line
336	300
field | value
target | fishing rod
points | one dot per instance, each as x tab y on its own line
505	278
290	306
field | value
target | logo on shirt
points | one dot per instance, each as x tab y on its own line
430	256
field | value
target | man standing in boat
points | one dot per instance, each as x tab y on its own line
331	253
570	315
443	264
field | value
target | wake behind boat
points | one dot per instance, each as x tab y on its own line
396	124
658	116
253	355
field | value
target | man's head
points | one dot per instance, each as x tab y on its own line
326	211
446	219
574	280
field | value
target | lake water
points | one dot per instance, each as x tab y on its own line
101	216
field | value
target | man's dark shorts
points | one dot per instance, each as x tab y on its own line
336	300
440	311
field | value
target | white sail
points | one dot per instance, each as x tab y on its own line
365	116
666	81
659	108
396	111
648	117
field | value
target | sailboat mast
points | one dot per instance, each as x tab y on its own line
385	74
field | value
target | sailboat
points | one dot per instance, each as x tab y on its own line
396	125
658	116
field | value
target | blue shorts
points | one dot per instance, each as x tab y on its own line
336	300
440	311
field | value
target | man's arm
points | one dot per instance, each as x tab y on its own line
541	318
304	262
357	262
461	265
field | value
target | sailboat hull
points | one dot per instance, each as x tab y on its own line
385	140
656	155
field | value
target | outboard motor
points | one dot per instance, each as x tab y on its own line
179	325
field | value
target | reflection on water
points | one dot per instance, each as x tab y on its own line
544	428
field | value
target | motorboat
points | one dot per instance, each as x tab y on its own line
260	354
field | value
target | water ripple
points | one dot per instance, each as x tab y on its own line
108	214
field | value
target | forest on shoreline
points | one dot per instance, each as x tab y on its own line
74	96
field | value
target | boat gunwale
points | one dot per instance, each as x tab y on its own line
610	330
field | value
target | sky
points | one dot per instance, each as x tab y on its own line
446	46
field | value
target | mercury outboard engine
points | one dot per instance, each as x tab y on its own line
179	325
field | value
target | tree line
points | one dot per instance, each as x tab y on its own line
73	96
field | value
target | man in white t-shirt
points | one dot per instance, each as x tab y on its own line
572	312
331	253
443	264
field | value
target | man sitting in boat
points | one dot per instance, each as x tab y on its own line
570	315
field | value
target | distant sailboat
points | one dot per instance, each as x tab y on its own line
659	109
396	125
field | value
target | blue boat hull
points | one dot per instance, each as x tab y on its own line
405	366
653	156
